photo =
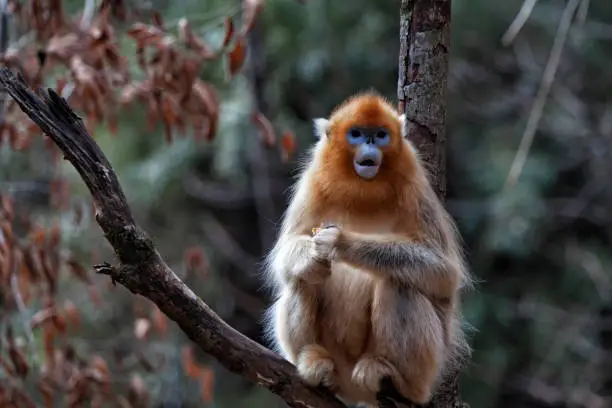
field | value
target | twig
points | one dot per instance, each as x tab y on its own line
582	13
89	10
23	311
227	245
538	106
142	270
217	194
519	21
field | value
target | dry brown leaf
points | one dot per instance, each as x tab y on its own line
288	146
71	313
94	295
7	206
59	322
160	321
38	236
48	272
7	368
7	231
99	364
204	96
146	34
195	260
192	42
158	20
48	346
46	389
141	328
229	32
190	366
78	271
42	316
16	355
31	265
54	237
137	392
170	114
266	130
207	385
64	46
237	56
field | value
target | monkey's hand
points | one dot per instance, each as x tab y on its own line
296	260
325	241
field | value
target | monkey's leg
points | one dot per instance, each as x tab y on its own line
407	344
298	334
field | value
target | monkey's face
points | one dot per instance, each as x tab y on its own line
368	144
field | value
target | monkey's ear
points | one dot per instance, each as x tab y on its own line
402	119
320	127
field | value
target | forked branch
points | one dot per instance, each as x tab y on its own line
141	268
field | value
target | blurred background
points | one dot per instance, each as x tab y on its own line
540	249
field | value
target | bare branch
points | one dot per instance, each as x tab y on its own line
141	268
538	105
227	245
519	21
88	13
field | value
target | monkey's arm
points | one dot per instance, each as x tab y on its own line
395	258
293	258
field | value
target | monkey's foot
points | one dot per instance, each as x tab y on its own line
315	366
369	371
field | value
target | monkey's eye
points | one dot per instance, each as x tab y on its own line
382	137
355	136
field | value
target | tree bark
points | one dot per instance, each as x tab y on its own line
421	90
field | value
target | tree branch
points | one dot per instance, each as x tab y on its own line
141	268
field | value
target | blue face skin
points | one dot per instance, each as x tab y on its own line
368	156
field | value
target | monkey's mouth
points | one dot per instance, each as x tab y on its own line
367	163
367	168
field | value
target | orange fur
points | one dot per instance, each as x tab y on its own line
336	180
378	293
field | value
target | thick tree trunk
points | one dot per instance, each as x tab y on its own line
423	68
422	83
